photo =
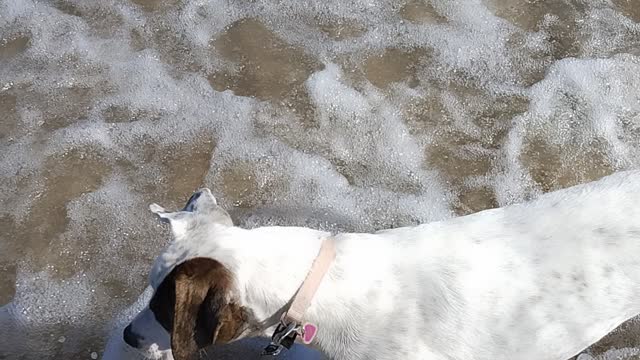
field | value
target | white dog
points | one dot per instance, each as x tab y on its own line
535	281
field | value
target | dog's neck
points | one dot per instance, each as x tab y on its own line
269	265
280	261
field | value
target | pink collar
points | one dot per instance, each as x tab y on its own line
292	322
304	295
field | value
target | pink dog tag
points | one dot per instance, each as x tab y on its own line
309	332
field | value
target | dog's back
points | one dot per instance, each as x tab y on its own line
541	280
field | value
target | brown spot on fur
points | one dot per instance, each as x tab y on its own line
191	304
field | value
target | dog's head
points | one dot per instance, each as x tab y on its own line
192	306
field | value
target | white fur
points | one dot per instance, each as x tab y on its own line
535	281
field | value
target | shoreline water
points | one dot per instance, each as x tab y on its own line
345	117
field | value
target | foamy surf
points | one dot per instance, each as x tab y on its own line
350	116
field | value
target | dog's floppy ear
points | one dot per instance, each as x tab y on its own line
202	313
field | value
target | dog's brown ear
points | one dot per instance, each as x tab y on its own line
201	290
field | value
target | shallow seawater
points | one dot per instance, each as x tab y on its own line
352	116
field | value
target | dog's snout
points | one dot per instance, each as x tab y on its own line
130	337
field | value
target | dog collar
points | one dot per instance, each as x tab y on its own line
304	295
292	323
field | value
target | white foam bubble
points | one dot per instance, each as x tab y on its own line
580	101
